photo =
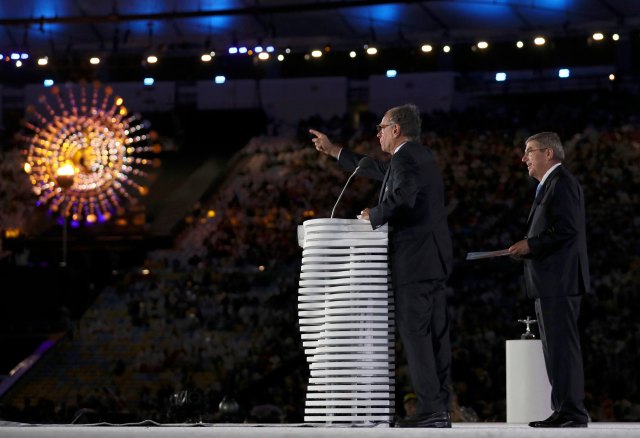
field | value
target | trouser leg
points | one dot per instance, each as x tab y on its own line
558	323
423	324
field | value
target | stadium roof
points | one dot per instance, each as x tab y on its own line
40	25
191	27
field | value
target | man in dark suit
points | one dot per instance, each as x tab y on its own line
556	274
412	203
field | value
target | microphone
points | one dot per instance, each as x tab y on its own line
364	163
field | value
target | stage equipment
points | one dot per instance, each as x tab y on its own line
528	387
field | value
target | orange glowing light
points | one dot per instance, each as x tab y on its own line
86	156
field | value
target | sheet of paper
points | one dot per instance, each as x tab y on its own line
487	254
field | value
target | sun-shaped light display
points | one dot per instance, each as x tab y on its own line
87	156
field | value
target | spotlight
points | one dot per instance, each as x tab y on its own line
316	53
564	73
270	49
446	49
148	81
24	56
392	73
615	37
426	48
243	50
483	45
220	79
233	50
94	60
263	56
598	36
501	77
612	77
43	61
15	56
48	82
152	59
539	41
519	44
18	63
258	49
352	54
281	57
206	57
372	51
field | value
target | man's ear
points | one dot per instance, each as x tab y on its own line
550	153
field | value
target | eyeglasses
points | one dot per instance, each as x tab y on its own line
381	127
528	151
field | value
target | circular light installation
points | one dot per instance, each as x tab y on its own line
91	131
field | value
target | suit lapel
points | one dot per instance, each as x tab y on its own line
538	200
383	189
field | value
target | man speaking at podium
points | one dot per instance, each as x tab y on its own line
411	201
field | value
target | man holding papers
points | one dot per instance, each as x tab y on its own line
556	274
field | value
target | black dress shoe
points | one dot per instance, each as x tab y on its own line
539	423
433	419
557	420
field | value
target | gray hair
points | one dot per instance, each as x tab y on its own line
408	118
549	140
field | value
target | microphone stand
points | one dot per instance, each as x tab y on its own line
343	189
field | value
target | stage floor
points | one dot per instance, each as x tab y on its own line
466	430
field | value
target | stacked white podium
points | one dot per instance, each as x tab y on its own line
345	308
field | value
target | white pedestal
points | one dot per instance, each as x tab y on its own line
345	309
528	387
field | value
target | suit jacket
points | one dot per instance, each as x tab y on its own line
558	264
412	203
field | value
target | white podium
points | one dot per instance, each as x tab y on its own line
345	308
528	387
